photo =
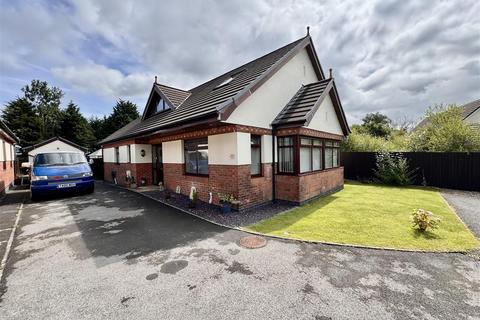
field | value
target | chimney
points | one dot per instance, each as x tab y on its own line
331	73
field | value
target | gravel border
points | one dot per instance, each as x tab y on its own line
213	213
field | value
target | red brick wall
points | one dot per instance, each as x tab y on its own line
6	175
139	171
227	179
307	186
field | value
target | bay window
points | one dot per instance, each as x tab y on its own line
312	154
256	163
285	155
196	156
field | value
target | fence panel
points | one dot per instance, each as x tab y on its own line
454	170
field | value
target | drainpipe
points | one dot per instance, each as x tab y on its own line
273	165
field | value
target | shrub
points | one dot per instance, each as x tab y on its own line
424	219
393	169
226	198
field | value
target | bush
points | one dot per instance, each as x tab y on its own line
363	142
424	219
393	169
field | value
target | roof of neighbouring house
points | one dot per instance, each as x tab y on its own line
9	132
470	108
73	144
211	99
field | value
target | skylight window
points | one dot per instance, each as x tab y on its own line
224	83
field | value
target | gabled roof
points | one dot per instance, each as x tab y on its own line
211	101
305	103
174	95
470	108
8	132
73	144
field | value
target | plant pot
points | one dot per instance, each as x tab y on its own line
226	207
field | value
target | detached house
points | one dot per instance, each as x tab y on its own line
270	129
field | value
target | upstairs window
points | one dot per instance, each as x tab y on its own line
196	156
161	105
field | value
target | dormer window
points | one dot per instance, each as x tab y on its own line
162	105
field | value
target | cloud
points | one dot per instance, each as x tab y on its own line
104	81
396	57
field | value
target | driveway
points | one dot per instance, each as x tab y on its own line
118	255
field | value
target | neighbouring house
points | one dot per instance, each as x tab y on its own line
470	114
224	135
97	154
7	157
52	144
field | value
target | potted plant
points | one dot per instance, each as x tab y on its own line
226	201
193	199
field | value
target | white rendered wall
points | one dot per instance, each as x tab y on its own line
55	145
109	155
266	149
123	154
136	152
325	119
172	151
265	104
3	146
229	148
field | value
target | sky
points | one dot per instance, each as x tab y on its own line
394	57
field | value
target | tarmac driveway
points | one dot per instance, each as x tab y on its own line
118	255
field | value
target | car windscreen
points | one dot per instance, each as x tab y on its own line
59	159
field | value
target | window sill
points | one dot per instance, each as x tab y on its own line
253	176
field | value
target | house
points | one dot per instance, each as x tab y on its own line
97	154
224	135
470	114
7	157
52	144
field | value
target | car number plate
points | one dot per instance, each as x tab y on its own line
66	185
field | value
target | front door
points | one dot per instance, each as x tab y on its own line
157	165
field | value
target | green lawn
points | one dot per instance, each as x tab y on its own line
373	215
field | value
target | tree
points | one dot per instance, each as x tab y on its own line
123	113
19	115
377	125
74	127
46	102
98	126
445	131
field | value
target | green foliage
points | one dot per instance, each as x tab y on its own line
123	113
74	126
377	125
393	169
19	115
46	103
363	142
226	198
424	219
445	131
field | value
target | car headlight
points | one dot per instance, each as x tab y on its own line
87	174
37	178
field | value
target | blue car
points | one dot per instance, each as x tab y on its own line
60	171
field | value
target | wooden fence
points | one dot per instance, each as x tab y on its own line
453	170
